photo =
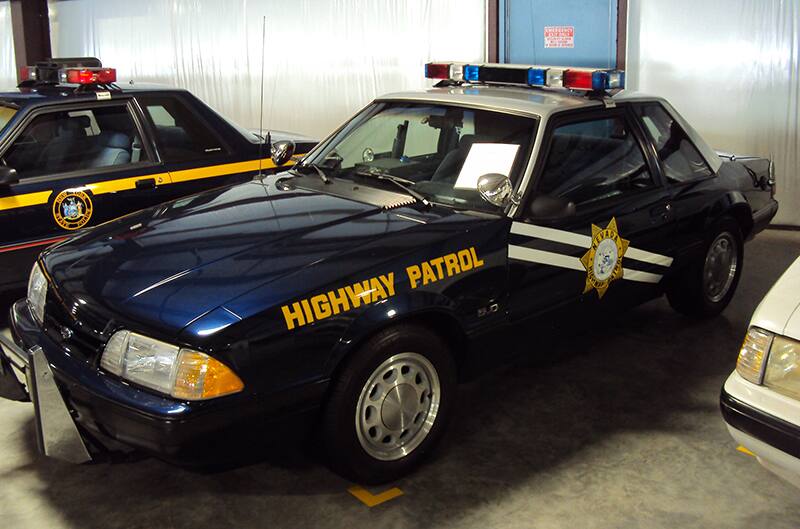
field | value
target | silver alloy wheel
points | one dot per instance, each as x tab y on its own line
720	267
398	406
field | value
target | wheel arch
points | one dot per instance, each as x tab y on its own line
437	316
735	205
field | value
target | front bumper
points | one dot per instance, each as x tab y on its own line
774	440
109	413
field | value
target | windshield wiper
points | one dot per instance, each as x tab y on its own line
399	182
325	178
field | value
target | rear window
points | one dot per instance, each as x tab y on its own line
6	113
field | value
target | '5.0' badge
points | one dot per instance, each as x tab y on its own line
72	209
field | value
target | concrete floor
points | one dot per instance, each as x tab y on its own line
623	432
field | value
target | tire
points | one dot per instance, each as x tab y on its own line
384	412
706	287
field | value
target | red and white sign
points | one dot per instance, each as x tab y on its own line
559	36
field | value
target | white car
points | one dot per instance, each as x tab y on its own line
761	399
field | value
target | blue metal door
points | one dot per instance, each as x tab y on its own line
559	32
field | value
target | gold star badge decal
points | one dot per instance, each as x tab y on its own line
603	261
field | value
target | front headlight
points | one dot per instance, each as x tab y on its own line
783	367
37	292
751	357
168	369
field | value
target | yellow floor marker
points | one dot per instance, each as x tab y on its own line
371	500
745	451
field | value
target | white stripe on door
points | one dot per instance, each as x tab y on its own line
584	241
521	253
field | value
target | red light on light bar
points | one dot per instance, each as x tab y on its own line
437	71
578	79
89	76
27	73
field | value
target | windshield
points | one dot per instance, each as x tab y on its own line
436	150
6	113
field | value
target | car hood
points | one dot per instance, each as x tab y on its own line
779	311
167	266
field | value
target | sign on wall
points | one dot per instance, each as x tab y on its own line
544	32
559	36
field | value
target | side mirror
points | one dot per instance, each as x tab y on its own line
546	207
496	189
8	176
282	151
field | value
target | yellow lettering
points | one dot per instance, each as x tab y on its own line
465	260
307	310
321	307
295	314
451	263
377	290
358	293
427	274
414	275
388	282
338	300
478	262
438	264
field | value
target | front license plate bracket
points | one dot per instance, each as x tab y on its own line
56	432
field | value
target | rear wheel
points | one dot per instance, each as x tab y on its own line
706	287
389	405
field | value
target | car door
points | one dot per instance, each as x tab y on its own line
684	170
593	231
72	162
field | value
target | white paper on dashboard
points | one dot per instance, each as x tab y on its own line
485	158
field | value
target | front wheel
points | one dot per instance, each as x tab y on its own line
707	286
389	405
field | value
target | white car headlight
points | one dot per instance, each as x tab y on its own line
168	369
37	292
783	367
751	357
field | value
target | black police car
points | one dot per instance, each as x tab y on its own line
77	150
422	242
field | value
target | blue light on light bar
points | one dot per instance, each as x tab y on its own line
471	72
537	76
608	80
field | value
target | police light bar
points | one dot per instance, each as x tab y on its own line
590	79
88	75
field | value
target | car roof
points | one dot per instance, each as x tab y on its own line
539	101
61	93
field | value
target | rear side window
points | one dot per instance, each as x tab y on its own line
180	134
680	159
65	141
592	161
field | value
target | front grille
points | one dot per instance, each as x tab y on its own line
68	323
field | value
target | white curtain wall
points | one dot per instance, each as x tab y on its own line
731	68
324	58
8	68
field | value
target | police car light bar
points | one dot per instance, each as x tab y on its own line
544	76
50	74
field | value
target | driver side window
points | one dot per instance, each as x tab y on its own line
592	161
64	141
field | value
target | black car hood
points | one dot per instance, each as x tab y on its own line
165	267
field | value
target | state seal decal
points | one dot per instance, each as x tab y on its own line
72	209
603	261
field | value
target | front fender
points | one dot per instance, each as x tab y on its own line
429	308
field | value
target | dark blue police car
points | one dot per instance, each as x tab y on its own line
412	247
76	150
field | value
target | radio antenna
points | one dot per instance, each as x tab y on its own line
262	139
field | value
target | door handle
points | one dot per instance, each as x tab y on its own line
662	211
146	183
